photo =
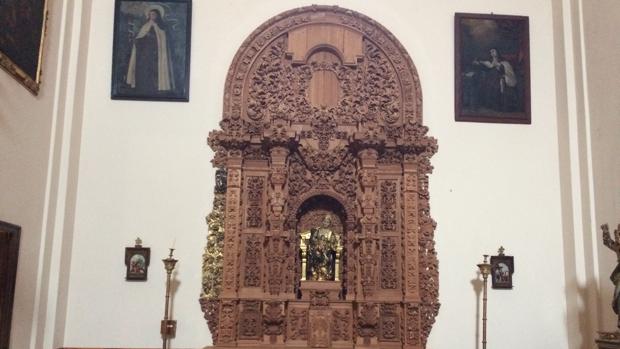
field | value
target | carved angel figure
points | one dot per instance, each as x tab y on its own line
614	245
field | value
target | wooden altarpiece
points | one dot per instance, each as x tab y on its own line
322	116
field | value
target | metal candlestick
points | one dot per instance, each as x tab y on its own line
485	270
168	327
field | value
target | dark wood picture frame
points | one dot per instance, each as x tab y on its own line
502	268
137	260
492	68
22	36
9	252
151	50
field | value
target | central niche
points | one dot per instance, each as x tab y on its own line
321	234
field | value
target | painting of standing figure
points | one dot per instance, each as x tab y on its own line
492	68
151	52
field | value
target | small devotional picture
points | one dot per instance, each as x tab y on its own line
151	52
502	268
492	68
137	260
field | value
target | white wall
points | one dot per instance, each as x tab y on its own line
142	169
603	51
31	133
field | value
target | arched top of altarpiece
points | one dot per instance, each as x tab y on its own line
248	109
287	21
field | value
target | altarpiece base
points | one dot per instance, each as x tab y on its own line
321	234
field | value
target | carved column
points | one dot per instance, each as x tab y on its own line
231	235
228	308
278	254
410	208
411	255
368	249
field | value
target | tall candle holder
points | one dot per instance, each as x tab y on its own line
168	326
485	270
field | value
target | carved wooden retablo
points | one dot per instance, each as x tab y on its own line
322	118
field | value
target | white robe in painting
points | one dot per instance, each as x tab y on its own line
160	57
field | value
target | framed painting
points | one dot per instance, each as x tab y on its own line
492	68
9	253
22	35
502	268
151	50
137	260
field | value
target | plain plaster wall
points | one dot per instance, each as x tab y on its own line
144	171
602	53
26	134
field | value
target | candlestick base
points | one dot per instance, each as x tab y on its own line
168	328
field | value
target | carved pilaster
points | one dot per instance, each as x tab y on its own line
412	324
231	230
368	249
411	228
278	247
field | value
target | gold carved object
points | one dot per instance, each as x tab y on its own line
212	259
321	250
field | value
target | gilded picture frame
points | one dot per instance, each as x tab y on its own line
492	68
151	50
22	38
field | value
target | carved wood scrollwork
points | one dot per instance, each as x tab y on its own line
250	320
390	323
389	270
253	261
322	115
255	188
298	324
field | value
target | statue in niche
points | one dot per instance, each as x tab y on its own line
321	249
614	245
